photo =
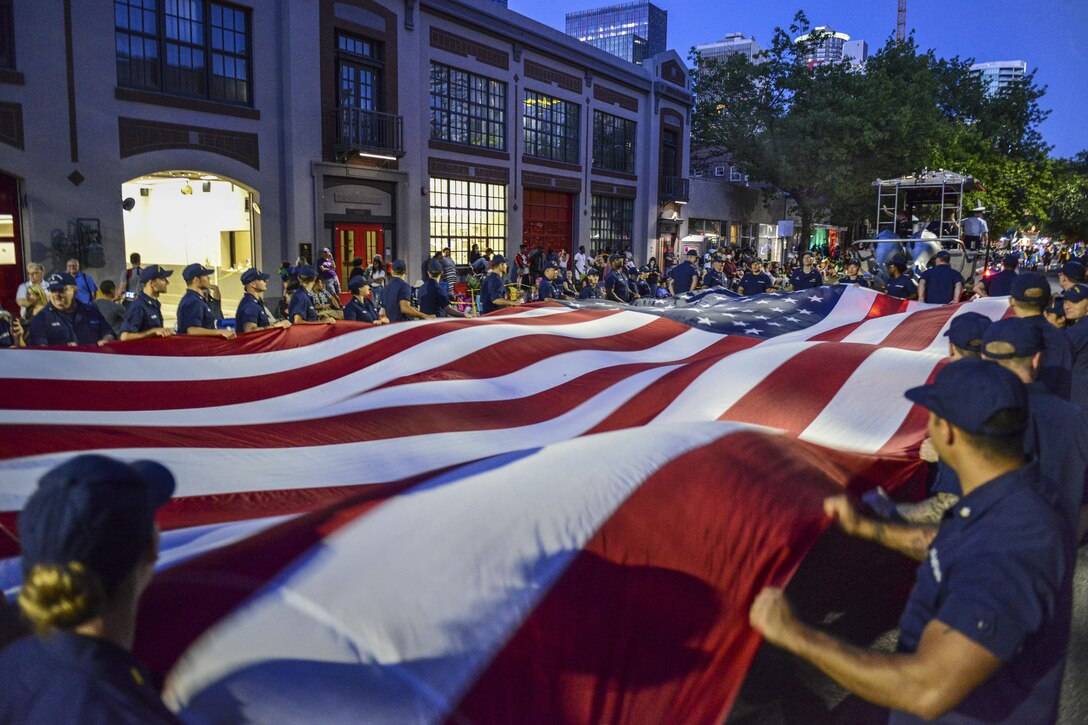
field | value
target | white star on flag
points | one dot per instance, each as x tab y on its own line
705	321
793	319
814	298
806	312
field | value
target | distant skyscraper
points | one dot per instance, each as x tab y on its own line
830	48
633	31
855	51
734	43
999	74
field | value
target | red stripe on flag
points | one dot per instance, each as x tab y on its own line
918	331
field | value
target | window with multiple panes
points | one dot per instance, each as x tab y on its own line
358	72
714	227
7	34
611	222
613	143
467	108
193	48
464	213
551	128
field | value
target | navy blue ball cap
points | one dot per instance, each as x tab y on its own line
943	254
497	259
195	270
434	267
1031	287
1010	338
357	282
155	271
1011	260
967	330
306	270
60	280
400	266
899	261
95	510
691	253
1073	270
253	275
1076	293
552	265
1057	306
852	263
968	392
593	271
645	269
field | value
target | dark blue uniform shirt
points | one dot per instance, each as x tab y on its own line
548	290
396	289
1077	334
999	573
364	311
941	281
433	299
682	276
70	678
590	292
902	287
642	288
492	289
714	278
800	279
859	281
1056	364
82	324
754	284
193	311
144	313
301	304
250	310
1000	283
616	283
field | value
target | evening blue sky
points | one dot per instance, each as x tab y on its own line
1051	35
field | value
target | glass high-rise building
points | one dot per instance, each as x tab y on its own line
734	43
830	46
999	74
632	31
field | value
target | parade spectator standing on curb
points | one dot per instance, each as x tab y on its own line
397	296
195	317
66	320
31	296
899	282
1069	274
1001	283
755	281
1076	330
984	634
806	276
940	284
684	277
581	263
130	278
434	298
301	307
252	314
493	290
106	302
976	233
362	308
11	335
85	286
591	289
1029	296
143	318
449	270
326	268
326	304
89	545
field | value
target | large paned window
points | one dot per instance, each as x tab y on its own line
464	213
613	143
551	128
358	66
713	227
7	34
467	108
193	48
611	222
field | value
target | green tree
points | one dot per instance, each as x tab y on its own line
1069	211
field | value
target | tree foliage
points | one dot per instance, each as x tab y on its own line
822	133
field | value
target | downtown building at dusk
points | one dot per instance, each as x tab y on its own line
633	31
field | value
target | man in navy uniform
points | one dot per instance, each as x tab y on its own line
548	288
615	284
684	277
195	316
493	291
1001	283
806	276
301	308
591	290
362	308
1076	330
755	281
715	276
1028	298
143	318
252	314
66	320
1070	273
853	274
899	282
397	296
642	284
434	300
940	284
632	281
984	634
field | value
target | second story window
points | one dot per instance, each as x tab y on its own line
467	108
551	128
195	48
358	72
613	143
7	35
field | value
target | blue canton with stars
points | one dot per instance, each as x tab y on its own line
719	310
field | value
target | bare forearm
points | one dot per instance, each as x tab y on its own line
907	539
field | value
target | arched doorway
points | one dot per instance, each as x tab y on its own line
176	218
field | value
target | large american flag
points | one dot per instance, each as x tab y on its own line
558	513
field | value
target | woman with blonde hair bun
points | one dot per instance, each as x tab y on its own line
89	544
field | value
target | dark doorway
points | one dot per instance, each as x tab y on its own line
12	271
548	220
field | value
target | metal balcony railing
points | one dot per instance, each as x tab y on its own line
673	188
368	132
